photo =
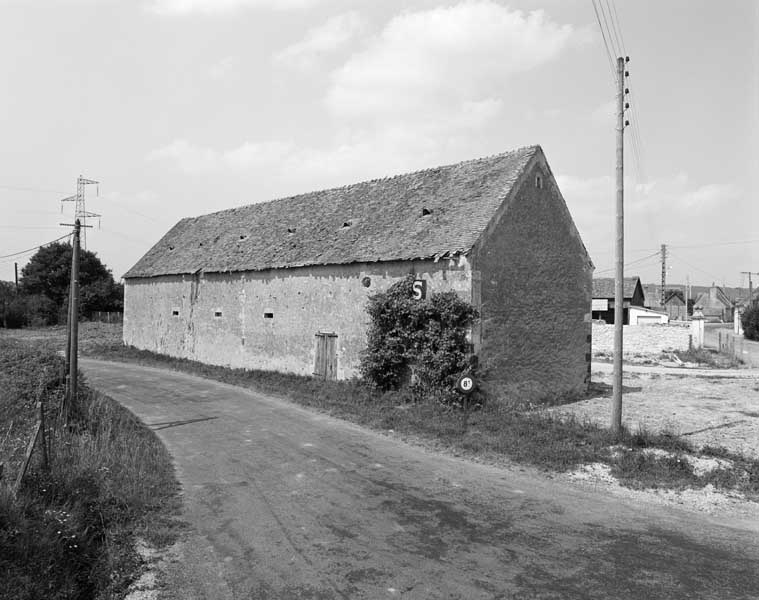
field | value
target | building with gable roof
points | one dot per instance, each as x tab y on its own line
716	304
282	285
603	298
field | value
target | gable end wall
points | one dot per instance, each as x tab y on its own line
536	291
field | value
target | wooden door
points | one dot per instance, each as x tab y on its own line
325	363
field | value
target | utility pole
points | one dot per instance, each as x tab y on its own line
663	273
687	295
74	321
619	291
72	337
80	212
750	286
15	268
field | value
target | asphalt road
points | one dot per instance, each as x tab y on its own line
286	503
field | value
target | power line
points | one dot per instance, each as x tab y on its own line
616	18
612	34
634	262
29	189
19	227
711	245
692	266
603	35
36	247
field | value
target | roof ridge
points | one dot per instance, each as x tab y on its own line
533	147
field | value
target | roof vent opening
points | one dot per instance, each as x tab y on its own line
538	182
347	224
291	230
171	247
426	211
268	315
243	236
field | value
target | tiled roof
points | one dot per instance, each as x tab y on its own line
603	287
430	213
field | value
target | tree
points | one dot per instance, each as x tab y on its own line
750	323
11	306
47	276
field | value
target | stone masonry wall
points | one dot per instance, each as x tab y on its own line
641	340
535	288
269	319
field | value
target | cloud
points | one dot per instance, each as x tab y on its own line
424	90
445	57
223	68
332	35
208	7
671	210
192	158
710	196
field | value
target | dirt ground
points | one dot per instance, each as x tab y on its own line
716	408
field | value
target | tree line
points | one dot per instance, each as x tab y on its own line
42	297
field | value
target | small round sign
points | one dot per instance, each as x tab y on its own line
465	384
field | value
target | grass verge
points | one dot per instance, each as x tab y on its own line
512	424
70	531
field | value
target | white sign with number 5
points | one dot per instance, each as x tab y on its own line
419	289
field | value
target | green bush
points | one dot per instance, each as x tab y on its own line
418	342
750	323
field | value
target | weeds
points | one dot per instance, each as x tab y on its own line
708	358
69	533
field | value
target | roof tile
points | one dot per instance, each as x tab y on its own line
385	217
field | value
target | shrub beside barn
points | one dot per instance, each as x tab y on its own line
283	285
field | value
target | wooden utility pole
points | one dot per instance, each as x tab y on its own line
687	295
15	269
663	274
619	287
74	321
750	286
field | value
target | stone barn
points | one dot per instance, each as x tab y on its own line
282	285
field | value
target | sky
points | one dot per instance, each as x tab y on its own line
184	107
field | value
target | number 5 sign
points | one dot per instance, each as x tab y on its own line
419	289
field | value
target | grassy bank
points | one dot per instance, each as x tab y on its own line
70	531
511	423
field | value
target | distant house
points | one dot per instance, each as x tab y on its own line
640	315
715	304
675	308
283	285
652	296
603	298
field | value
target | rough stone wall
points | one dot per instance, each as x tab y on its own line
536	291
642	340
302	301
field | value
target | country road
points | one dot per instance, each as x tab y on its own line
287	503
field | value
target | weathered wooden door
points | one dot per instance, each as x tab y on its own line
325	363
